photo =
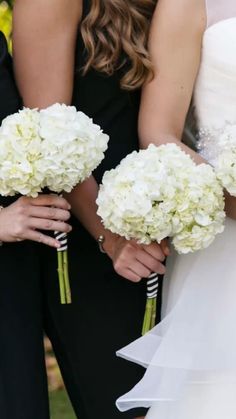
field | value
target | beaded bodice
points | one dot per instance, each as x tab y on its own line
215	88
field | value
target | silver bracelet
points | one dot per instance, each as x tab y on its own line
1	208
100	241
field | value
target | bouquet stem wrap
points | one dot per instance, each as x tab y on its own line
149	320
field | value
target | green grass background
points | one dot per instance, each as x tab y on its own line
60	405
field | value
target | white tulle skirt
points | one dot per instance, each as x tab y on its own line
191	355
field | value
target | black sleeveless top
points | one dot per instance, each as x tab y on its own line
9	97
114	109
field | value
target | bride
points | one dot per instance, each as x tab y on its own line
191	355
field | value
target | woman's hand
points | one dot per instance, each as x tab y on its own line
135	261
24	219
130	260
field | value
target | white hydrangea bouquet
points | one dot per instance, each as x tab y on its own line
55	148
158	193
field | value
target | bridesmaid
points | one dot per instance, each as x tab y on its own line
92	54
22	372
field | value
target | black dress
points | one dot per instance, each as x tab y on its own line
23	385
107	310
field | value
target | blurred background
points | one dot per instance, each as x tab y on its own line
5	19
59	403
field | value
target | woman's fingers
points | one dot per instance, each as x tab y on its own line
52	225
151	263
165	247
49	213
23	219
131	276
133	261
51	201
41	238
155	250
139	269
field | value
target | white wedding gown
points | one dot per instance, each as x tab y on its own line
191	355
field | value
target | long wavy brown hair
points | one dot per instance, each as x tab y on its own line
115	35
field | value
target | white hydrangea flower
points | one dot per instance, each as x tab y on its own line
206	207
225	167
72	147
20	150
225	164
219	147
55	148
160	192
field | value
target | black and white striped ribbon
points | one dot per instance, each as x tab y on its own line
62	238
152	286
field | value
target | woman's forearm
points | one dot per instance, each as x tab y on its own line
83	204
84	207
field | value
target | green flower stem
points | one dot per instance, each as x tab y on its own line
154	312
147	317
66	277
61	277
150	315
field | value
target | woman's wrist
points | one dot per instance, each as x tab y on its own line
106	242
